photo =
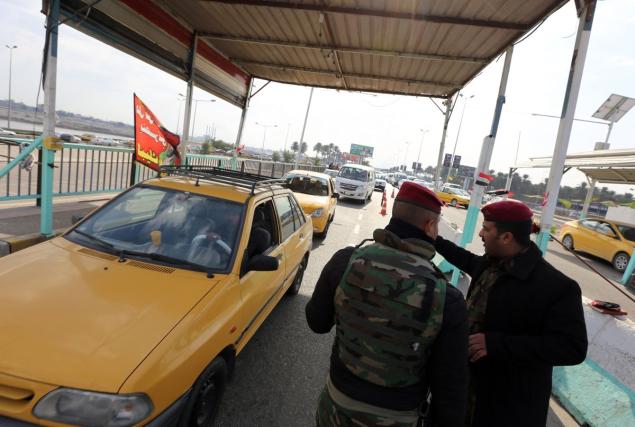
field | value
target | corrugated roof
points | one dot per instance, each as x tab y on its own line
424	48
606	166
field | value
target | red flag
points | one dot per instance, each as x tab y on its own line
486	176
155	146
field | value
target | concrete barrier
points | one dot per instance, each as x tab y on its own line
9	245
601	391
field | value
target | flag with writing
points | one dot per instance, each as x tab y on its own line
155	146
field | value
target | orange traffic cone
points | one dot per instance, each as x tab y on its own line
383	210
383	197
393	193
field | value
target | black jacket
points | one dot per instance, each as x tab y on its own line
533	321
446	372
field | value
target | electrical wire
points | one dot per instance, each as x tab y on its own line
630	297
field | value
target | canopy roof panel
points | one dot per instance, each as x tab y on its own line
423	48
607	166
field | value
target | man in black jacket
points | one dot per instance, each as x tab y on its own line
401	329
524	317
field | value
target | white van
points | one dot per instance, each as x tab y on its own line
355	182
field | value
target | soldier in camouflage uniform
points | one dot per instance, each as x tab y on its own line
401	331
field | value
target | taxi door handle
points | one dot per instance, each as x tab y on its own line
301	235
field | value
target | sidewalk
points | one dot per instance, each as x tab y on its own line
23	217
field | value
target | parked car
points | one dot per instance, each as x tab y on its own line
608	240
317	197
455	197
70	138
356	182
136	314
380	184
4	132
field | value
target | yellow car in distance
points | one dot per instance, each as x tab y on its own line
454	196
608	240
136	315
316	193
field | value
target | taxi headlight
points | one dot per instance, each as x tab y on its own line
94	409
317	213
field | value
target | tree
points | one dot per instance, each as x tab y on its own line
288	156
303	147
317	148
205	147
295	146
275	156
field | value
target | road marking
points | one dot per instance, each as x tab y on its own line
360	216
356	229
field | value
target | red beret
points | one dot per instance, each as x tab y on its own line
419	195
507	211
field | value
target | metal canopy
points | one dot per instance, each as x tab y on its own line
606	166
422	48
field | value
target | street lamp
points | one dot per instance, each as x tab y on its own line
10	66
423	133
196	101
458	132
264	136
180	97
286	139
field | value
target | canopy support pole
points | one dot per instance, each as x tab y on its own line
48	131
566	122
446	120
588	198
185	137
243	118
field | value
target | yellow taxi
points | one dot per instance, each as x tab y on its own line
136	315
454	196
316	193
609	240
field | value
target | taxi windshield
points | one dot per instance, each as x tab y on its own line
164	224
312	185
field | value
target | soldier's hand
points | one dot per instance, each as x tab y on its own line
477	348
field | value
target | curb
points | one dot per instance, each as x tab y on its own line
13	244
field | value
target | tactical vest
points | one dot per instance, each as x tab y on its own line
388	312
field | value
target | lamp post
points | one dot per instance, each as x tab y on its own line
423	133
264	137
458	132
10	66
286	139
196	101
180	97
405	155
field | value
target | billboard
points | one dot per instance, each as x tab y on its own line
465	171
457	162
351	158
155	146
362	150
447	160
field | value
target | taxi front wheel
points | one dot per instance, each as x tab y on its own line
299	275
620	261
202	406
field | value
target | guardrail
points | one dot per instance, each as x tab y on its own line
81	169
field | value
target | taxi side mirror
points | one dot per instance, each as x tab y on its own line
262	263
336	195
76	218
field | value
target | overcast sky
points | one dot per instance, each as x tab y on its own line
95	79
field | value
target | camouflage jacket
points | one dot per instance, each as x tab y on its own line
389	310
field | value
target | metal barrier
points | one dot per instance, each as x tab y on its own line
88	169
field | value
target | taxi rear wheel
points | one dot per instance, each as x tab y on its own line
204	400
453	203
297	281
567	241
620	261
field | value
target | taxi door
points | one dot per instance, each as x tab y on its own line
258	288
332	198
585	239
606	242
294	234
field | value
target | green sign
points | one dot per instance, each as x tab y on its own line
362	150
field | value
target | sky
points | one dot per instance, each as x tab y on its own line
97	80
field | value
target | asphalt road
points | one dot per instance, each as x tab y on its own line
281	372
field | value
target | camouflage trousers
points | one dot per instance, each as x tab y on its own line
337	409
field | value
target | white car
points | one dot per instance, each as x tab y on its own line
4	132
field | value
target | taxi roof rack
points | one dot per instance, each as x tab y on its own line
224	176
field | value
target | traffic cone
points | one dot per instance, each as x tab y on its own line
393	193
383	210
383	198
